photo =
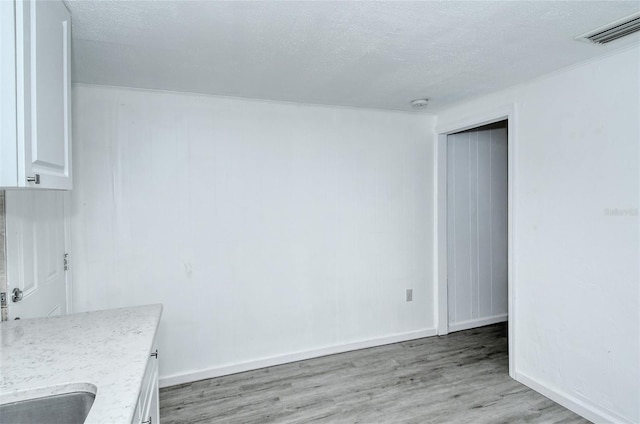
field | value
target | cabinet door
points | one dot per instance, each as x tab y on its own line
149	401
8	145
153	414
43	84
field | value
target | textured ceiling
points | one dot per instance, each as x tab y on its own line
362	54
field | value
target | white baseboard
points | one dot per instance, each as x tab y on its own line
191	376
583	407
477	322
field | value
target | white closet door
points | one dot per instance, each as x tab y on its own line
35	253
477	228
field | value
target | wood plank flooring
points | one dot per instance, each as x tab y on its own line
459	378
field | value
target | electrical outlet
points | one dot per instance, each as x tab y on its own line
409	295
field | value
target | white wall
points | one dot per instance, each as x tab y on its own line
477	228
265	229
577	233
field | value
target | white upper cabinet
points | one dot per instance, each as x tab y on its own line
35	149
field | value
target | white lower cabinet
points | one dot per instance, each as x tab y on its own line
148	407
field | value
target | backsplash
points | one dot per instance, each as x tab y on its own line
3	260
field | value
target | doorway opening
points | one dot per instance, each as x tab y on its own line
473	226
477	227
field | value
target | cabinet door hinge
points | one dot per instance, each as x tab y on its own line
66	262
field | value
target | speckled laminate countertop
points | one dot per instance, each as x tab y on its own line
103	352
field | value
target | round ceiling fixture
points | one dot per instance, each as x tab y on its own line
417	103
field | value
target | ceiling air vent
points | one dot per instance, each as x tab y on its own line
614	30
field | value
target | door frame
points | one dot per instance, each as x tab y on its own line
68	277
441	298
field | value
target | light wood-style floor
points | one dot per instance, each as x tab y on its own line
459	378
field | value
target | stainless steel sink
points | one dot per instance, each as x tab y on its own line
68	408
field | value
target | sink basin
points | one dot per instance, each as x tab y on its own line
68	408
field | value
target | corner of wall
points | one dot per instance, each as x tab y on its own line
582	407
